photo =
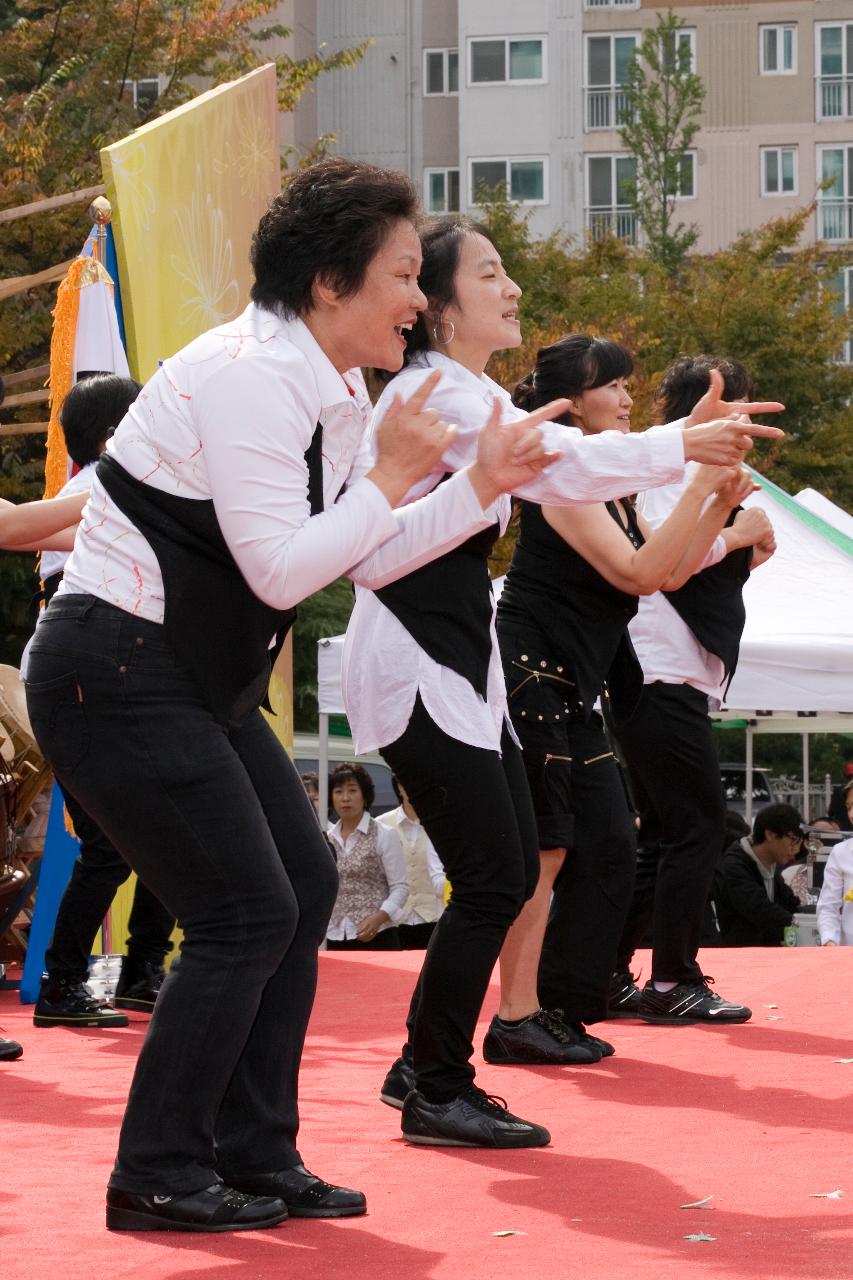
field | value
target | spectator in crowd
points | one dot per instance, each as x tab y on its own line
835	904
372	889
754	904
837	805
311	783
424	872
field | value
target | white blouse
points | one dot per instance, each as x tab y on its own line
384	669
835	904
393	861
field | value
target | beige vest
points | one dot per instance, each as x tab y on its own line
421	900
363	885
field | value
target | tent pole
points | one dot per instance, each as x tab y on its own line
748	781
805	777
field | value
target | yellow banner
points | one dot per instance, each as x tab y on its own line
187	191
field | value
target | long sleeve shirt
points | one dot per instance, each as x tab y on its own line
384	669
835	904
393	862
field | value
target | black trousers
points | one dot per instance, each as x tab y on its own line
475	806
416	937
387	940
592	892
97	874
669	747
218	825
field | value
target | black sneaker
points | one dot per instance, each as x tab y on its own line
603	1047
472	1119
9	1050
543	1039
398	1084
624	998
689	1002
218	1208
70	1003
139	985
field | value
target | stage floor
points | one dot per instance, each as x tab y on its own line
757	1117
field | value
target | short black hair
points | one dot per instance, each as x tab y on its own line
687	379
781	819
91	412
328	223
441	246
570	366
395	787
353	773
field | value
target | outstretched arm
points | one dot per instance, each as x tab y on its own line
27	526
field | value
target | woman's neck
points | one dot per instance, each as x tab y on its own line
474	361
348	825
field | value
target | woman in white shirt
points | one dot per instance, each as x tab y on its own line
835	903
372	884
423	682
217	507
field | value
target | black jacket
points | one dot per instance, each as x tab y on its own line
747	917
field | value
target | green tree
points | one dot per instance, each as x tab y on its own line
662	99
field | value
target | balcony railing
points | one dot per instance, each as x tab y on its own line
835	219
606	107
834	97
612	221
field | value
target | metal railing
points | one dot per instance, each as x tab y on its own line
607	107
834	97
616	221
834	219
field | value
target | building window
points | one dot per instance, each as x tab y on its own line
609	186
778	171
834	71
684	187
608	59
835	201
441	190
441	72
843	285
777	49
611	4
145	92
507	61
525	181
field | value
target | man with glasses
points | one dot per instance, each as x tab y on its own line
754	904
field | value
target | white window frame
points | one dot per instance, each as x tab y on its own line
508	40
446	92
508	161
133	85
446	170
613	208
611	90
844	81
846	354
779	28
776	195
694	157
611	4
690	33
844	203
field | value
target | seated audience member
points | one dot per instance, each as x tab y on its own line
754	904
373	889
311	783
90	414
424	873
835	904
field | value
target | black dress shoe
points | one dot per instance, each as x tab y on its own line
217	1208
9	1050
305	1195
472	1119
399	1082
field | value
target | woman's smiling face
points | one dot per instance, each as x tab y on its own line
484	313
605	408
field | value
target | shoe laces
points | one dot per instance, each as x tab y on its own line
553	1020
489	1103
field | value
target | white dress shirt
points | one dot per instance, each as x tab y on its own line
665	646
413	831
384	668
230	418
835	905
393	864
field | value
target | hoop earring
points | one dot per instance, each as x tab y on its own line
443	342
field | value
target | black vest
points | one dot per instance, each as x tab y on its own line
711	603
582	617
213	621
446	606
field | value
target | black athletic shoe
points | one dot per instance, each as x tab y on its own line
305	1195
624	998
9	1050
217	1208
689	1002
399	1082
139	985
543	1039
604	1047
473	1119
64	1003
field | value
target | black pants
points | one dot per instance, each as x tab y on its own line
97	874
669	747
476	809
416	937
387	940
592	892
218	825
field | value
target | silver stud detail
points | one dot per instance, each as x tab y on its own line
543	663
524	658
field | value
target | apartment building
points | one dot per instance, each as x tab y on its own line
465	93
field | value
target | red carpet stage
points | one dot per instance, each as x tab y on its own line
756	1117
